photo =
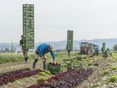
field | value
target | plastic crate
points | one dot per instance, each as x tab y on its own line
54	68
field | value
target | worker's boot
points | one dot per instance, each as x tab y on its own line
34	63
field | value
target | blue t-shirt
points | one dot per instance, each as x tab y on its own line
43	49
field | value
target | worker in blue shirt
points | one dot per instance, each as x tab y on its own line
41	50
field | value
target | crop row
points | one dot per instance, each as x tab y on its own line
69	79
17	74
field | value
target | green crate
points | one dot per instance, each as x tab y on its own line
77	63
69	66
77	66
28	26
69	40
54	69
67	61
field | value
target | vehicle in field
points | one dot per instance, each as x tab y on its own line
88	48
84	48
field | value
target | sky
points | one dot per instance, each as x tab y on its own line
89	19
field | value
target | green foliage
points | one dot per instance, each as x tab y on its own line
13	57
42	73
18	57
48	72
10	57
113	78
114	56
60	56
43	76
114	67
105	73
115	47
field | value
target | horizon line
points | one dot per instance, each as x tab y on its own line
66	40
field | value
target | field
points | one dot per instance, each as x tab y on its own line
96	72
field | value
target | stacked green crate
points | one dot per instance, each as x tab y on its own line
77	63
28	26
68	63
70	40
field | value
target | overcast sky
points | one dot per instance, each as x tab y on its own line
90	19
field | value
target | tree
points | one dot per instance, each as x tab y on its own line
115	47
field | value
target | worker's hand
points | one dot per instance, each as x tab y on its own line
54	62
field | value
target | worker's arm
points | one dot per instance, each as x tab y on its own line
53	55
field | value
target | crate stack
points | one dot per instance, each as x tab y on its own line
28	26
69	40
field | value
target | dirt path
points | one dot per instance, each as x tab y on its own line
15	66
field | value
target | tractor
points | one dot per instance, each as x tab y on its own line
84	48
87	48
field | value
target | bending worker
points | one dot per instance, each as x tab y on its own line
41	50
